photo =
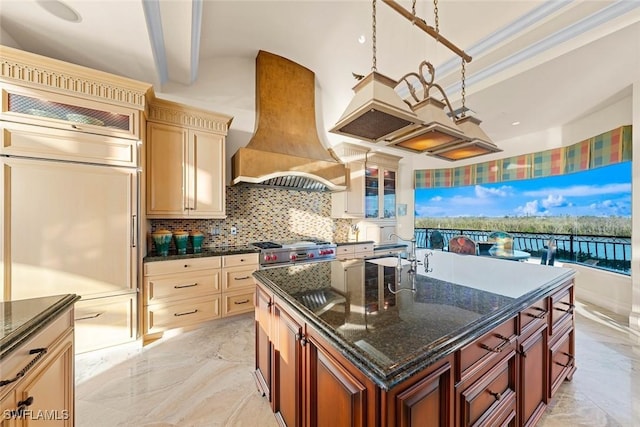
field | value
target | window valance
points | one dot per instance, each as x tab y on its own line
602	150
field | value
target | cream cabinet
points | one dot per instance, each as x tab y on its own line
358	250
238	284
44	393
373	183
350	203
185	170
57	110
180	293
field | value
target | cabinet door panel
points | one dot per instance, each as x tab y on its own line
335	397
207	196
71	228
104	322
51	389
287	369
427	402
532	393
263	341
166	169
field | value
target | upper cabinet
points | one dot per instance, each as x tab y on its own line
372	185
185	164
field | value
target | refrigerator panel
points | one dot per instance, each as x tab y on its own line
71	228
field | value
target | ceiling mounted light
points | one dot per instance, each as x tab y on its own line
60	10
376	111
429	125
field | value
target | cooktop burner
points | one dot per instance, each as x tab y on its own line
294	251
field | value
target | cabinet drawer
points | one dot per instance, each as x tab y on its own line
160	317
494	343
562	307
562	361
37	141
181	286
365	247
238	278
46	338
238	302
485	401
532	318
345	250
181	265
240	260
104	322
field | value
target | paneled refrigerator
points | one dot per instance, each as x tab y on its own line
71	227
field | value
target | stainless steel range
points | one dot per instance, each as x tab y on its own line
273	254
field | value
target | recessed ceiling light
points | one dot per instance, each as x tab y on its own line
515	123
60	10
362	39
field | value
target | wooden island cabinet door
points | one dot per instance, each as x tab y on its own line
334	396
286	388
263	341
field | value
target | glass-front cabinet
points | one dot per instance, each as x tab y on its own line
380	192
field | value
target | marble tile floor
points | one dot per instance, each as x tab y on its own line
203	378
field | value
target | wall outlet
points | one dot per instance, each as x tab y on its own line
234	230
214	231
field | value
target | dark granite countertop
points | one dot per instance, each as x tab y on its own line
355	243
392	336
23	318
206	252
388	246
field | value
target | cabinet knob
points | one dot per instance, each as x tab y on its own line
495	394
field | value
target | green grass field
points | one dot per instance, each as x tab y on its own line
588	225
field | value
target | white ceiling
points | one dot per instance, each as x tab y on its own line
543	63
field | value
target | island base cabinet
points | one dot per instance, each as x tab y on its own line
489	399
334	396
561	361
264	349
425	401
286	390
532	390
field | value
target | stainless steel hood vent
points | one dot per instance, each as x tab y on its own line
285	150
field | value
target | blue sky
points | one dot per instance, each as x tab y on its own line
604	191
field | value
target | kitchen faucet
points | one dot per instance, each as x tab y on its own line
412	255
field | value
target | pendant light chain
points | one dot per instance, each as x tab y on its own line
435	12
464	87
374	65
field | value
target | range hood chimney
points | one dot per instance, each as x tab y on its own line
285	150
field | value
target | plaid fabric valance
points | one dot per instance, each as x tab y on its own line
602	150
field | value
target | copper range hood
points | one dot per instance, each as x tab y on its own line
285	150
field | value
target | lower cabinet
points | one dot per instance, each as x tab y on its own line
105	322
184	293
505	377
44	394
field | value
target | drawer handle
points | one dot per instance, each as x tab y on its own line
497	349
19	411
91	316
496	395
241	302
191	285
568	310
542	314
241	278
40	352
569	363
186	313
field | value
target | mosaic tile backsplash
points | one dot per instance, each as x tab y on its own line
262	214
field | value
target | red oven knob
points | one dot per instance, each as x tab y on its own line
310	255
267	257
293	257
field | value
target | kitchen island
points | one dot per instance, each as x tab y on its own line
472	341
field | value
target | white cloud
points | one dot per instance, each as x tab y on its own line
530	209
484	192
554	201
436	199
582	190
